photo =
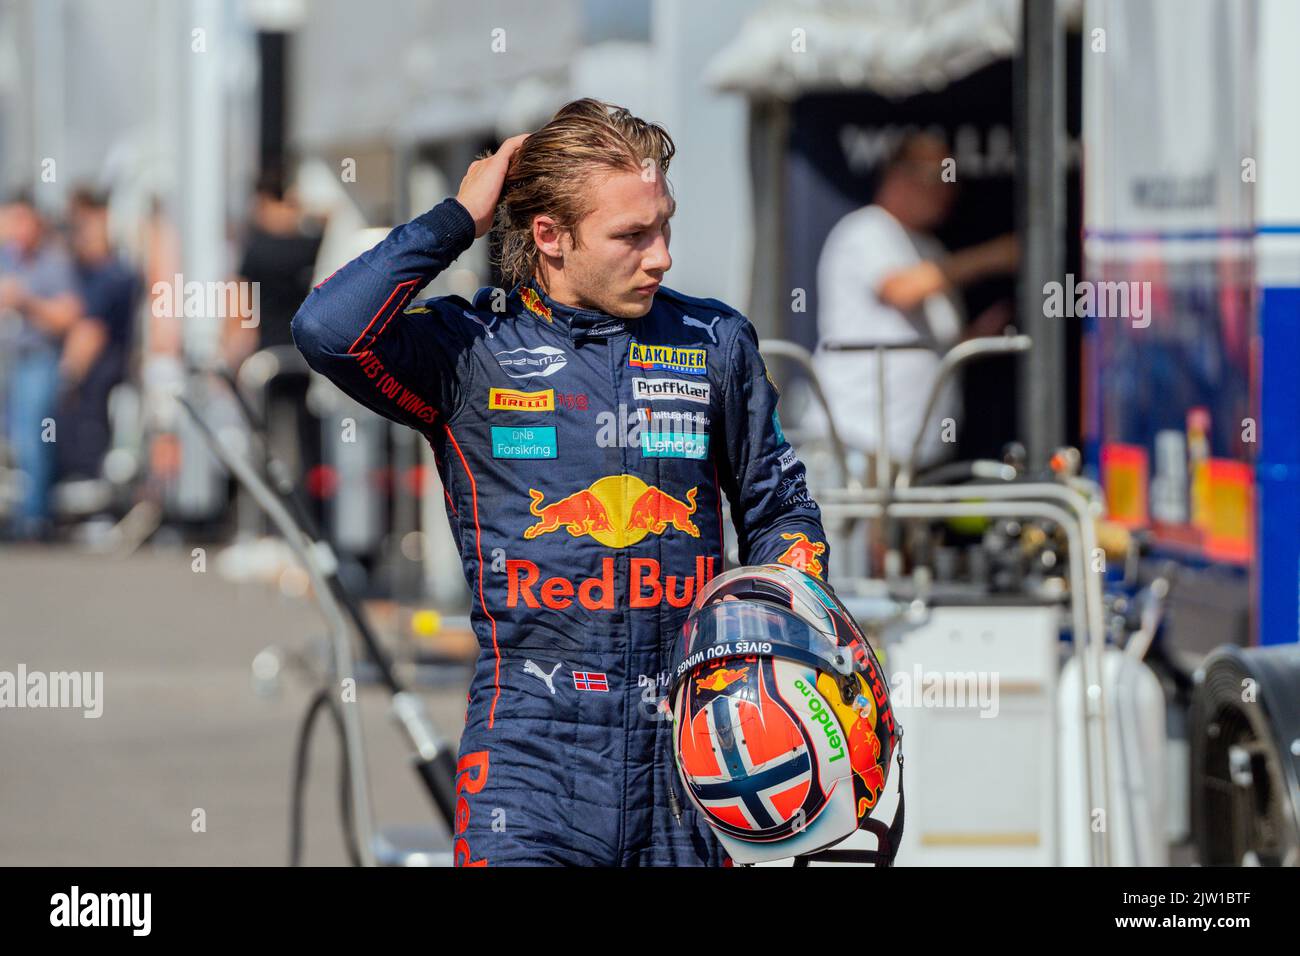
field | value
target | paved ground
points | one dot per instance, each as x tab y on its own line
181	726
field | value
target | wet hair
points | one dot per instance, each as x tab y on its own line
551	174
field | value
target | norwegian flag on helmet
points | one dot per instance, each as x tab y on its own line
745	754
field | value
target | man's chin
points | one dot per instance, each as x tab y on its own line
634	305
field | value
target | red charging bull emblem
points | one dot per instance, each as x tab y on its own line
803	554
864	756
722	678
534	304
860	724
617	510
581	513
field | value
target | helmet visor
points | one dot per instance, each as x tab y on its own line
742	628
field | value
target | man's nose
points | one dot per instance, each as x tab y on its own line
658	259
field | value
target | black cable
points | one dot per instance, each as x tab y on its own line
323	699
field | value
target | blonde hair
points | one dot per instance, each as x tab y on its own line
551	174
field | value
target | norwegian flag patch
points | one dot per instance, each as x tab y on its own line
590	680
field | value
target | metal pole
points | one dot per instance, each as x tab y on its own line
769	301
883	467
318	561
1040	201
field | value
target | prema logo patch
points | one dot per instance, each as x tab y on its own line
666	389
525	363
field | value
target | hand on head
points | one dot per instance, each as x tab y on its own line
480	190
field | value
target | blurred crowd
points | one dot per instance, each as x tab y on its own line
68	302
77	323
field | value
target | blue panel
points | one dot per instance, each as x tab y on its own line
1277	468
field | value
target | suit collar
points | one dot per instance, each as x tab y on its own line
575	322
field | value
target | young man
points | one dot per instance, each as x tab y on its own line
586	424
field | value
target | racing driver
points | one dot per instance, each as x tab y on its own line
586	423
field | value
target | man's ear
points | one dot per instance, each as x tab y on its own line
548	236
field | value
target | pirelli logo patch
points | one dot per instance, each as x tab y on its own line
509	400
666	358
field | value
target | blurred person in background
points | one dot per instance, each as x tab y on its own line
38	281
279	255
884	277
97	345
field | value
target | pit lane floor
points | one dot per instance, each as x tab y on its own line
181	729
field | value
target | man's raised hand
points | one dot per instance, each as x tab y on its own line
480	190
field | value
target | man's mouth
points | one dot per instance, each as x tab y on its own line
648	289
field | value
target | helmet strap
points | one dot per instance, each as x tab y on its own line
888	838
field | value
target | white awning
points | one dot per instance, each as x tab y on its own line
892	47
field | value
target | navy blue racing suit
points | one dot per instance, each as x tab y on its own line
585	458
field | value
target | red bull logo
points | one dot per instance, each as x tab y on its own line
864	755
534	304
654	511
864	745
803	554
647	586
471	775
722	678
617	510
580	514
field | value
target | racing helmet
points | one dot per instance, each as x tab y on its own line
783	730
